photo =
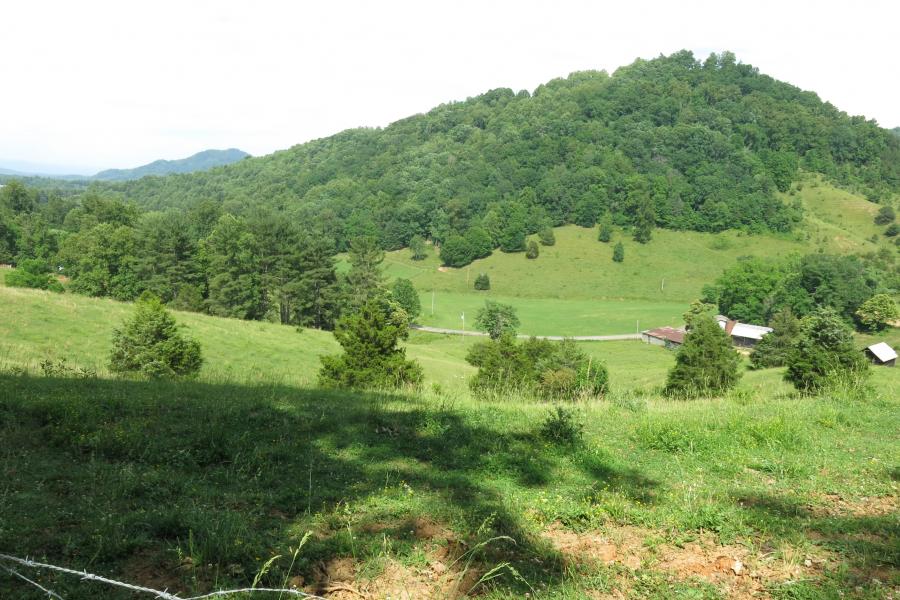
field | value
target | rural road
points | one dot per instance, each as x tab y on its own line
555	338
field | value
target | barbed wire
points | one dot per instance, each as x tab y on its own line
50	594
161	595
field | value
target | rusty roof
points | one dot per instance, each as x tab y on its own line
667	333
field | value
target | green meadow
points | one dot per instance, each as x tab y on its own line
204	485
574	287
78	330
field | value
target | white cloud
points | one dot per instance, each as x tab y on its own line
116	84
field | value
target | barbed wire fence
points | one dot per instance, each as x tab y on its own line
160	594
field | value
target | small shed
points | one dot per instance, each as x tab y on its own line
882	354
668	337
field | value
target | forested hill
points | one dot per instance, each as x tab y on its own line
672	142
202	161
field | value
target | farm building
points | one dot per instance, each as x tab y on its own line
664	336
742	334
882	354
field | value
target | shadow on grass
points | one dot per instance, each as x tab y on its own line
868	543
139	477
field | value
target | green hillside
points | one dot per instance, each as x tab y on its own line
574	288
674	142
78	330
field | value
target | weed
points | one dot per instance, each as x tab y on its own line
562	426
672	436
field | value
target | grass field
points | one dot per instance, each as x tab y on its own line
837	220
78	330
574	287
197	486
46	326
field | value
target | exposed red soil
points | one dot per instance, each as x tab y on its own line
735	570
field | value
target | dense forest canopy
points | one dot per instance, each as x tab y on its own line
700	145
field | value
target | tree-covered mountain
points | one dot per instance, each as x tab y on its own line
672	142
202	161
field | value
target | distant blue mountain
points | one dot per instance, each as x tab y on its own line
202	161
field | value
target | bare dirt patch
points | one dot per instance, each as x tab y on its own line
737	571
834	505
339	580
446	574
150	570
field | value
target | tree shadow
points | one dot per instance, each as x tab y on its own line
868	543
100	471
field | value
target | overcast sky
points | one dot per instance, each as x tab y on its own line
99	84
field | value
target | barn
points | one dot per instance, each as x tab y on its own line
882	354
742	334
669	337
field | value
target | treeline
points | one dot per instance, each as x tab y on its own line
756	290
260	265
672	142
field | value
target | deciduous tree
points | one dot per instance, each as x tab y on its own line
824	354
497	319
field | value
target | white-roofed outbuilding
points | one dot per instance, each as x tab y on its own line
882	354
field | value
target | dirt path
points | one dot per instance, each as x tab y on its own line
555	338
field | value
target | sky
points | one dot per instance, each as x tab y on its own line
100	84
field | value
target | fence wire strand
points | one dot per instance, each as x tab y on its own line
161	595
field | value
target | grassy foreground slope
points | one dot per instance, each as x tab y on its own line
195	486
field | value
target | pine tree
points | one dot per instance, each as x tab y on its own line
231	255
619	252
775	347
532	251
698	308
641	203
365	279
371	357
645	221
546	236
706	363
316	293
482	282
150	344
606	229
